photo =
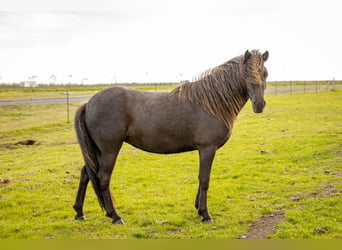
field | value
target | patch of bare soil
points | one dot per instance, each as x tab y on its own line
4	181
26	142
264	226
328	190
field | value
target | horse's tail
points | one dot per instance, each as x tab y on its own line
90	152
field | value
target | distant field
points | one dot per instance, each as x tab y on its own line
284	163
15	92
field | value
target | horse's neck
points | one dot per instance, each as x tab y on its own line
238	97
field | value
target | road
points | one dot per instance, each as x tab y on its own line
45	101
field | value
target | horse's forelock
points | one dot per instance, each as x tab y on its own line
253	66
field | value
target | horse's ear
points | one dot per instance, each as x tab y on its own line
246	57
265	56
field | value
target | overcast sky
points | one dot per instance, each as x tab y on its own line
163	41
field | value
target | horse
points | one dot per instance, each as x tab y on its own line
196	115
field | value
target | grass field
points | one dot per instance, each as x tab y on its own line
286	160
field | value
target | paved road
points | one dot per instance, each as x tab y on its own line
45	101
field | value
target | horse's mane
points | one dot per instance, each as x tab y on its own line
220	91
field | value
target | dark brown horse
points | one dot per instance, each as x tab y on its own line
198	115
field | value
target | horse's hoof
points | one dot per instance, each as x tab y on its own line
79	217
118	222
208	221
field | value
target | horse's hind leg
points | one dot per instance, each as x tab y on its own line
104	175
78	206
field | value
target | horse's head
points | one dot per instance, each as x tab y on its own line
255	76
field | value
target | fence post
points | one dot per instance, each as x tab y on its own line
68	86
290	87
333	88
67	94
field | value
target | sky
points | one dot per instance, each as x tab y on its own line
107	41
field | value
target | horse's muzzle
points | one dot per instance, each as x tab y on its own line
258	107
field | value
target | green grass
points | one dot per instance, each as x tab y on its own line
287	158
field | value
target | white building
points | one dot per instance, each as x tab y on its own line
28	84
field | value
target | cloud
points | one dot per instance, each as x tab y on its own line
34	29
31	29
165	39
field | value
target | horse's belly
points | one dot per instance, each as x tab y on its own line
163	143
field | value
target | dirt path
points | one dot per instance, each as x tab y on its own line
264	226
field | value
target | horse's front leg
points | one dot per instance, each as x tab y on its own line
206	159
197	197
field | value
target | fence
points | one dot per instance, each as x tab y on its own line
290	87
80	93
